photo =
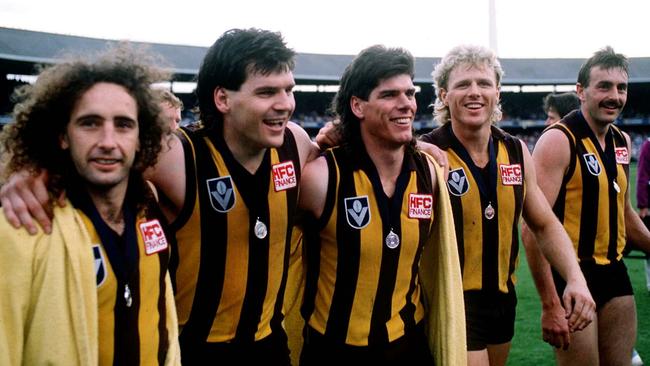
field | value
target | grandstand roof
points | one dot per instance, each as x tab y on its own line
21	49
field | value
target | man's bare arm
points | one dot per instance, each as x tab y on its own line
551	158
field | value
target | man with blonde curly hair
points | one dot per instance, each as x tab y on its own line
96	290
492	184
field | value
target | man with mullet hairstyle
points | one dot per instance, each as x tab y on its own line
382	274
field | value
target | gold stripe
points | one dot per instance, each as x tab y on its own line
188	238
366	289
277	244
327	271
472	228
506	202
224	325
105	300
410	239
149	274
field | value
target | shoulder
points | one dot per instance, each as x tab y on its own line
16	244
307	149
438	136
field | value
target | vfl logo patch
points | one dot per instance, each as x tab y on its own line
222	193
457	182
100	264
153	237
511	174
420	206
622	156
357	211
284	176
592	164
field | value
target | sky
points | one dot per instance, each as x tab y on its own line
428	28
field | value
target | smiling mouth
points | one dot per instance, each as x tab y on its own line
105	162
474	106
402	120
277	122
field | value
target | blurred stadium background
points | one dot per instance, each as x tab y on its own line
525	83
524	86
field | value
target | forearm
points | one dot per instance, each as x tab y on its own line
540	270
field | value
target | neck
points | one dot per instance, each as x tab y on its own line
247	153
387	161
109	204
475	141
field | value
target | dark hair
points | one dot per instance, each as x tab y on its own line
367	70
229	61
563	103
43	110
606	59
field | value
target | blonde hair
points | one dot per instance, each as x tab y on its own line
459	55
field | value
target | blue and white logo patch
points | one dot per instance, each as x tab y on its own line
592	164
457	182
357	211
100	264
222	193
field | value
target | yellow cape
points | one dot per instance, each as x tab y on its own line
48	307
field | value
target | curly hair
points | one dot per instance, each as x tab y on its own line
229	61
42	111
368	69
464	54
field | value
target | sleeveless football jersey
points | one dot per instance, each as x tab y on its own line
486	219
233	240
591	201
363	253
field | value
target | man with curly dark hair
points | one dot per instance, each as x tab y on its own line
97	290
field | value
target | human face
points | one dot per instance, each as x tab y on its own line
102	136
387	116
256	115
170	114
472	95
605	96
552	116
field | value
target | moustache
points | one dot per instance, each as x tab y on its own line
611	104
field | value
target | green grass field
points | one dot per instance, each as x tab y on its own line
528	347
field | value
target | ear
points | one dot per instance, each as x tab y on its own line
357	105
580	90
221	100
63	141
443	96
